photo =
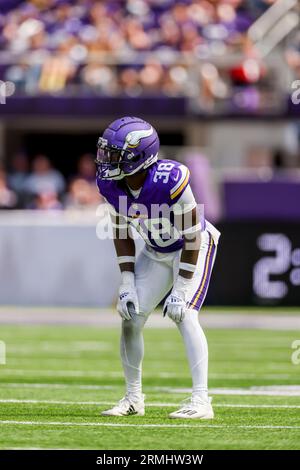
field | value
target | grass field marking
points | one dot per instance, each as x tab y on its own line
30	448
120	374
57	386
36	448
274	391
2	352
63	373
146	425
60	346
151	404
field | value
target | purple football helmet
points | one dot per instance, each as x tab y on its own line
128	145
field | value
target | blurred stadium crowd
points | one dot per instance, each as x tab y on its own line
37	184
41	186
135	47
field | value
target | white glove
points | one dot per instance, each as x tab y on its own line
176	304
127	296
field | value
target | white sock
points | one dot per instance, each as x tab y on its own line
197	352
132	353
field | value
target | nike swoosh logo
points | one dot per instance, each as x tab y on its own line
176	179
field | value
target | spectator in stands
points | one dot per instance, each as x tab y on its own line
18	172
86	168
292	55
82	189
129	81
82	195
259	157
44	178
151	76
101	78
46	201
67	40
8	199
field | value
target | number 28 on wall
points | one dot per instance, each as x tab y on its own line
281	259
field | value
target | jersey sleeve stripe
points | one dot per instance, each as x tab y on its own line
201	291
183	169
182	186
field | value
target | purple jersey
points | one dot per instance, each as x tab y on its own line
151	212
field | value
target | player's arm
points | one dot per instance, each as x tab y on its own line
187	221
192	242
125	250
124	244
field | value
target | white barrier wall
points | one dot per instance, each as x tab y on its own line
55	259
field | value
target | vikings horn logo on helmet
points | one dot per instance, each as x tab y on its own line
128	145
134	138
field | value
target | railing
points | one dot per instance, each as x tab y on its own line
215	85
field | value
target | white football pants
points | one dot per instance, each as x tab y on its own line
155	273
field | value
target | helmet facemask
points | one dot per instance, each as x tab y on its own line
111	160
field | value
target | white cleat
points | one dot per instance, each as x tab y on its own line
194	409
126	407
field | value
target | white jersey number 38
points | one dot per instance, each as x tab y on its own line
163	172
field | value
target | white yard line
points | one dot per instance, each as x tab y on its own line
152	404
60	347
131	425
257	392
32	448
273	390
97	373
292	390
61	373
57	386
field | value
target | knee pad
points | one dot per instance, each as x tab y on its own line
133	326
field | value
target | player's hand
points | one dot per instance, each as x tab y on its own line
127	297
175	307
176	304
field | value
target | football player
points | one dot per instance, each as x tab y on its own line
154	197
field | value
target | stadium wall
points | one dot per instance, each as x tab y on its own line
57	259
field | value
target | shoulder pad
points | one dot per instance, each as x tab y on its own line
179	180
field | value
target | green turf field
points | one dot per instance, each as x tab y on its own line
58	378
